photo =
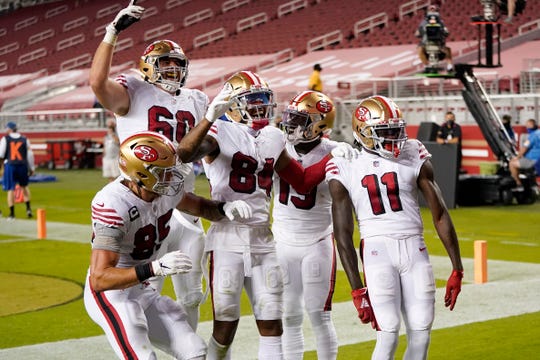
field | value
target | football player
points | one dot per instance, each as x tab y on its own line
302	228
156	99
16	167
240	157
382	186
130	223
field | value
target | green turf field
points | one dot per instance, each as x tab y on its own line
41	287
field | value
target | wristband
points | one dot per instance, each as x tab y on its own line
110	36
221	209
143	271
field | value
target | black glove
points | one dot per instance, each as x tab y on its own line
125	17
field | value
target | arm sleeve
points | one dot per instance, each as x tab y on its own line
107	238
304	180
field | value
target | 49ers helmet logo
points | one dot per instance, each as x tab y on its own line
166	46
362	113
145	153
324	106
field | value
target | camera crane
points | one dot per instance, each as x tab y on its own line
492	188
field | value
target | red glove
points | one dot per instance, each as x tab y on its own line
453	287
363	306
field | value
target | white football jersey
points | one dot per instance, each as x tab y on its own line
383	191
244	168
129	225
152	108
312	211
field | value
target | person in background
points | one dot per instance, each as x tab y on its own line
528	155
510	10
315	81
302	228
450	133
490	8
18	162
507	123
530	126
433	18
381	187
130	222
111	152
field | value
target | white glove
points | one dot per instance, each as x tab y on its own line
345	150
237	209
219	105
125	17
175	262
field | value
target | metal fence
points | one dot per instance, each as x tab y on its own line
56	119
432	109
416	109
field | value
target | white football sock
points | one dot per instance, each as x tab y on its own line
325	334
417	345
270	348
386	345
216	351
293	338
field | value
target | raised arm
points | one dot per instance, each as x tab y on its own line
196	144
111	95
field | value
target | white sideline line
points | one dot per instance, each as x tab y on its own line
55	230
476	303
519	243
15	241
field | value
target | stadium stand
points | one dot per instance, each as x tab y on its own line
364	47
63	35
66	33
248	34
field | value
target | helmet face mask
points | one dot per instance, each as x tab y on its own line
169	181
308	116
164	64
252	100
294	124
379	127
149	159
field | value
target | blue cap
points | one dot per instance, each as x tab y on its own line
11	125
